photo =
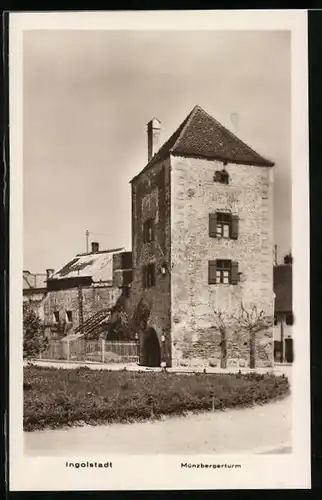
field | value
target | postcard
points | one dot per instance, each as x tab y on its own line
159	251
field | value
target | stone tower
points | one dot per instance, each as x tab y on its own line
202	239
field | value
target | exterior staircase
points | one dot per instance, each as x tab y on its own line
95	325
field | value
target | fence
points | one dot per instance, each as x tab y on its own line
101	350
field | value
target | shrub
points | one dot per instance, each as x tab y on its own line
34	341
63	397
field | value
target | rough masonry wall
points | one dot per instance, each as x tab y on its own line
94	298
151	199
36	302
194	195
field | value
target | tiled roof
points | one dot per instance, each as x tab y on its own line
283	288
98	266
200	135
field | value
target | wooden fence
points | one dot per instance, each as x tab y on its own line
103	351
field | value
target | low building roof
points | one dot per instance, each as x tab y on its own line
98	266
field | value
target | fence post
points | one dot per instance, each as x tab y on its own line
103	350
68	350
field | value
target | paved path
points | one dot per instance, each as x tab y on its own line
278	368
263	429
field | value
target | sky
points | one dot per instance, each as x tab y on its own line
87	97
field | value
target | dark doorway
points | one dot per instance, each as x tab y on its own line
151	349
288	350
289	356
277	350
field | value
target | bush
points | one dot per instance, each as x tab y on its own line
34	341
63	397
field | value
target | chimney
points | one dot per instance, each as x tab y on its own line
275	255
49	273
288	259
154	127
95	247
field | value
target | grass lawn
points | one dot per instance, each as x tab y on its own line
55	398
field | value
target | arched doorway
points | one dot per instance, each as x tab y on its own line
151	348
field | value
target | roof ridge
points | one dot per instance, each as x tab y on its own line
186	122
112	250
243	142
217	142
232	133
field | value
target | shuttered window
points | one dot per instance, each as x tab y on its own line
223	272
234	227
212	272
148	275
234	276
212	225
148	231
223	225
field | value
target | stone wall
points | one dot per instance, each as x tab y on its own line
203	347
151	199
94	298
35	300
122	269
194	195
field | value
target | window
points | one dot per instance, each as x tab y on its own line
289	320
221	176
69	316
148	231
148	275
223	272
56	317
223	225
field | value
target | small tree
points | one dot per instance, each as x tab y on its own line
34	341
252	321
118	326
221	324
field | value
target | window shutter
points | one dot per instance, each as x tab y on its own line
234	277
212	272
213	225
234	227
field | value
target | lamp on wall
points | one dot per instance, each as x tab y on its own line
163	362
163	268
241	277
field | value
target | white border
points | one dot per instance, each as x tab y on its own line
164	472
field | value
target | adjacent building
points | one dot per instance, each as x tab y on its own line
34	290
283	318
85	289
202	239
